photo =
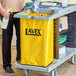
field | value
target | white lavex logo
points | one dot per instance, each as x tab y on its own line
34	32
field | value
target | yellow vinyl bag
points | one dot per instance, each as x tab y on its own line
37	41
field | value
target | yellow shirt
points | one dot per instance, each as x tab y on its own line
16	5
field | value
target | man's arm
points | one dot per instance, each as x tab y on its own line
0	5
3	12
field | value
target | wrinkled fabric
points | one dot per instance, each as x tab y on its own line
35	6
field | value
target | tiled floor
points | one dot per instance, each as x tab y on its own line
66	69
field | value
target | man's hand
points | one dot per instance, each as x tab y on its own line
32	0
38	1
4	13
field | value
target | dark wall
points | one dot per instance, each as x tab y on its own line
71	42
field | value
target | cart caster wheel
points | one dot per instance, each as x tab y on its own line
73	59
54	73
26	72
57	74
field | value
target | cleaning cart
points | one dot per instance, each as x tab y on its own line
54	13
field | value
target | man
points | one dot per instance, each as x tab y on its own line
17	6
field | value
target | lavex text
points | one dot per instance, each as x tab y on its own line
34	32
